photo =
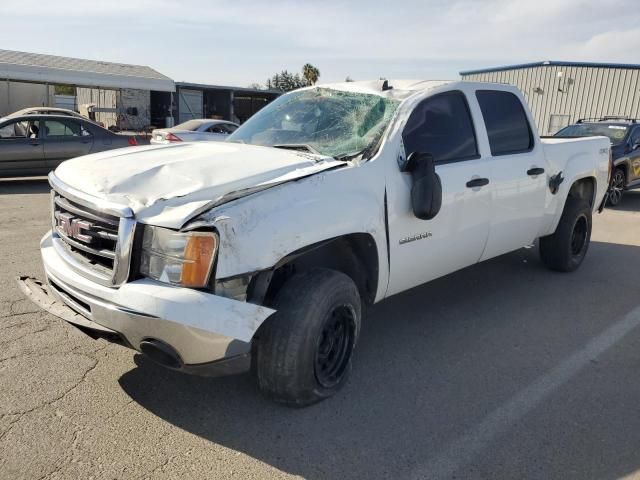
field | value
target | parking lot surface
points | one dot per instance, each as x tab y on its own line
501	370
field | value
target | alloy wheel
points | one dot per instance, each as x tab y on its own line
617	187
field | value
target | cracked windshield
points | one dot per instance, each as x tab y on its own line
320	120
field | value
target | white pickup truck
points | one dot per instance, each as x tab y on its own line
263	252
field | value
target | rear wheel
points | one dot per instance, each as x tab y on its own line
303	351
618	182
565	250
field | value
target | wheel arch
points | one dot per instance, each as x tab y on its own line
584	188
355	255
624	167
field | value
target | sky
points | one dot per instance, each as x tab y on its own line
238	42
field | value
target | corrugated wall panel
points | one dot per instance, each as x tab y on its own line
634	101
100	98
621	95
602	98
536	78
630	85
584	89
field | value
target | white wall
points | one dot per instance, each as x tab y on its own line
17	95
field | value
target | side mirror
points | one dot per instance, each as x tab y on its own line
426	190
635	146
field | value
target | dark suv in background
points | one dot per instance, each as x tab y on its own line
624	134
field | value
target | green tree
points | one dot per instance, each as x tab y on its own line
285	81
310	73
64	90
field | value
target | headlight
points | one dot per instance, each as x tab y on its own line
178	258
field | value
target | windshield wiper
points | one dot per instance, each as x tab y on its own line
297	146
349	156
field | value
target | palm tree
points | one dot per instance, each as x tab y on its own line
310	73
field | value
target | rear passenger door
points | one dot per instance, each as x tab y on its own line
21	149
421	250
517	173
64	139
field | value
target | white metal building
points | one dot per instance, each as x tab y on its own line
560	93
31	79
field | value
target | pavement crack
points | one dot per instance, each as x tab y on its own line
11	424
62	395
19	314
13	303
32	332
14	325
166	462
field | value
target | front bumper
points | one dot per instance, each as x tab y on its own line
201	327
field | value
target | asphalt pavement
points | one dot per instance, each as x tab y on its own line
503	370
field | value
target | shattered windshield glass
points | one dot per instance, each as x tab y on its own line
322	120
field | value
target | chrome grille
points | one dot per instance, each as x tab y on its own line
93	236
88	234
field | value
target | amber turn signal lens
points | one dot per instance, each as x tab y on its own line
198	259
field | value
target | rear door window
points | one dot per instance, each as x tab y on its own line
65	129
442	126
506	121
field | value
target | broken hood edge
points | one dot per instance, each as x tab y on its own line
169	185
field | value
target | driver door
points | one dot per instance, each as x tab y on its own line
422	250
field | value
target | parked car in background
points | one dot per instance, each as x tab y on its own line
49	111
195	130
45	111
35	144
624	134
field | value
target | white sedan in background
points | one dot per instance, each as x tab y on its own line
196	130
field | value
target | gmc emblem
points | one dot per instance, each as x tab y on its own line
73	227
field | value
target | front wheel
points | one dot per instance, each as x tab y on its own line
303	351
566	248
618	183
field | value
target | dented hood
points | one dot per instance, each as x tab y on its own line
166	185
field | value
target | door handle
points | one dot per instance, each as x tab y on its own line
535	171
477	182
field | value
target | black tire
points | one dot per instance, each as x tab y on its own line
303	351
566	248
618	184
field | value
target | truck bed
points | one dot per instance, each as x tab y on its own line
576	158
